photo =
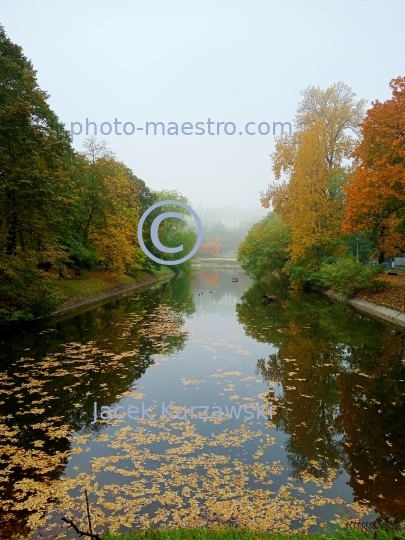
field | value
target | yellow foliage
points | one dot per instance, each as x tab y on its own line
306	202
116	240
312	215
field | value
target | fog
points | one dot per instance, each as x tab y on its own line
221	64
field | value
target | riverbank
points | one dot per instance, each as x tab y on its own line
94	287
375	310
393	296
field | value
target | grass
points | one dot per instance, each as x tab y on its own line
244	534
94	282
162	270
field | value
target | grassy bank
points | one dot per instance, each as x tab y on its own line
95	282
241	534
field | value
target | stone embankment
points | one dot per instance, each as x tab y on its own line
387	314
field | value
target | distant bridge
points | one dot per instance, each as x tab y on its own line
222	261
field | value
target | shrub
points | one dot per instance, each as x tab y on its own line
303	277
25	291
347	276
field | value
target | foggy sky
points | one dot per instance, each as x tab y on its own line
181	61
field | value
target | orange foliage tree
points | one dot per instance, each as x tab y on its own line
209	249
376	190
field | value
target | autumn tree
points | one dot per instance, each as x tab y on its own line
110	209
376	190
312	206
208	249
339	114
117	242
310	169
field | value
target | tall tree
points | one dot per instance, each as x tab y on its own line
35	153
35	189
109	204
311	206
310	167
340	115
376	190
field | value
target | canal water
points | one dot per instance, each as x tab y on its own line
195	403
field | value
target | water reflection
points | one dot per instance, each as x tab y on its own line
342	400
216	291
336	380
51	373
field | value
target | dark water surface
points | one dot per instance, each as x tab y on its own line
322	441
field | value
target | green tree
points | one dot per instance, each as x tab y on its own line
35	155
174	232
265	247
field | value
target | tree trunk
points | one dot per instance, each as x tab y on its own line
12	238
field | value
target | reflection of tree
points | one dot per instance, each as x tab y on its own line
178	295
48	392
306	411
338	370
211	278
372	415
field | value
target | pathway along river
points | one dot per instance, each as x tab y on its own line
333	450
